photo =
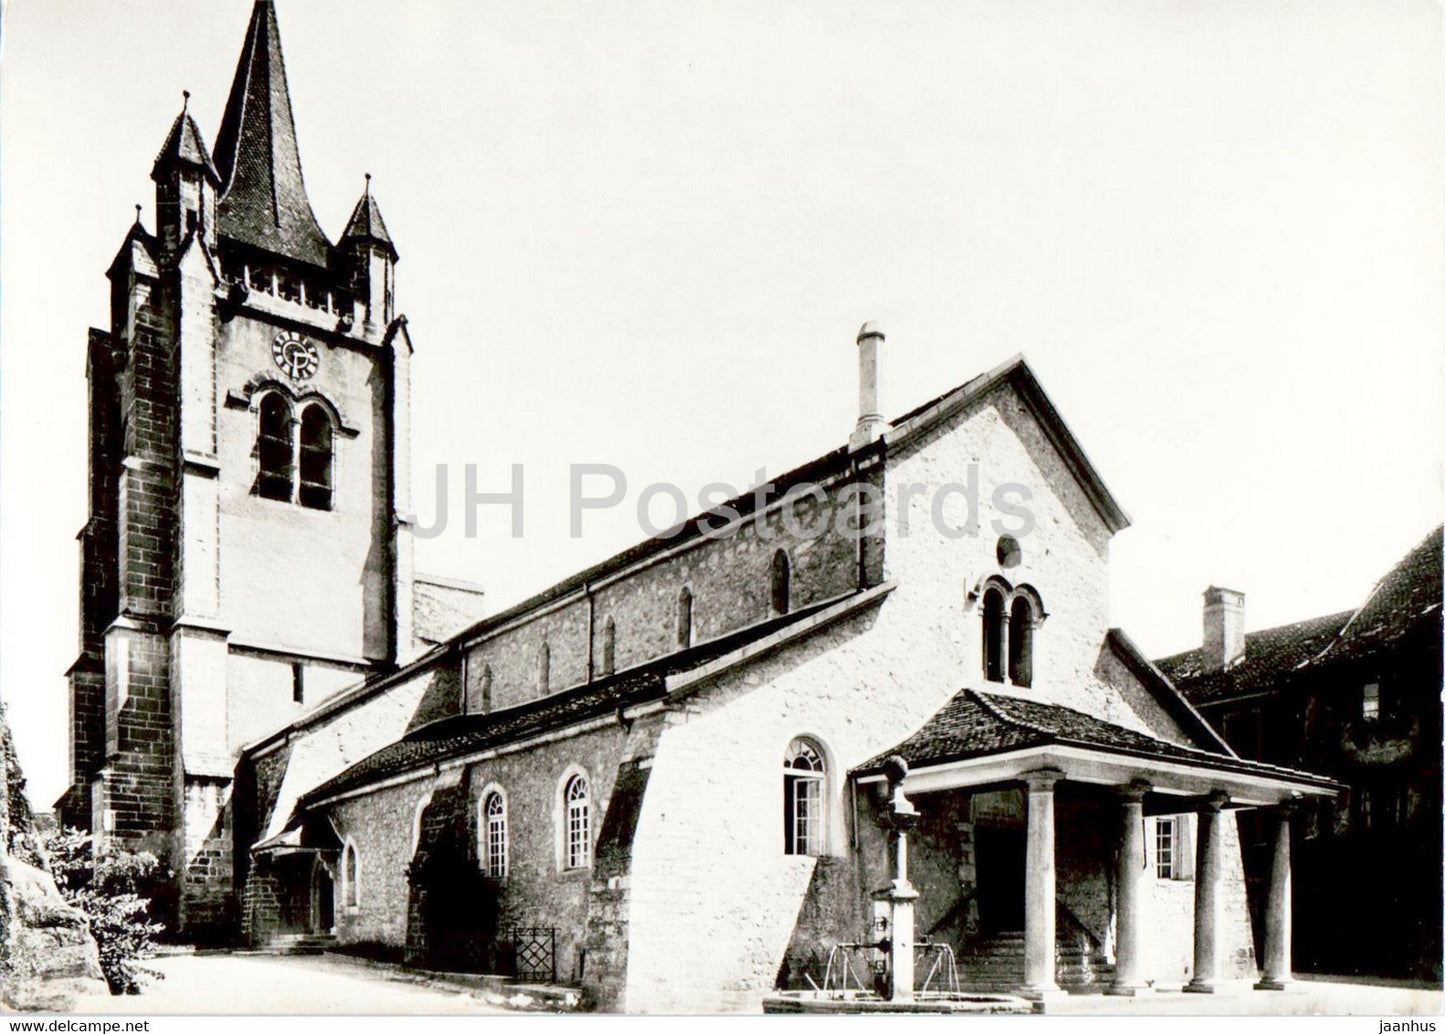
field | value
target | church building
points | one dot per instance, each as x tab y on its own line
674	778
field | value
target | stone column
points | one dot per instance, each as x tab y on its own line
1208	897
1277	919
1128	948
1039	905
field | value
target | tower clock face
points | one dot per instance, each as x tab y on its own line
295	356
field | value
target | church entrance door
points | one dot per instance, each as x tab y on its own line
1000	854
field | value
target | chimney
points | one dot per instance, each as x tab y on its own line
1223	629
870	422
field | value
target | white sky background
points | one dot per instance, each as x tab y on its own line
645	234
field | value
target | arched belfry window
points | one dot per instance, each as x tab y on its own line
993	635
684	618
315	456
1021	642
781	578
609	646
805	776
274	449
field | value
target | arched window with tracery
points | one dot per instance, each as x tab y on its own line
684	618
781	579
577	846
1021	642
609	646
993	635
494	835
315	458
274	449
805	776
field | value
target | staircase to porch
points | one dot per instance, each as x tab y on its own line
995	964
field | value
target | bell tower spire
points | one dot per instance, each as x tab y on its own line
263	200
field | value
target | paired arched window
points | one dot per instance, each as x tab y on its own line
1009	619
315	455
350	887
684	618
282	455
805	776
577	823
609	646
993	635
274	449
494	834
781	577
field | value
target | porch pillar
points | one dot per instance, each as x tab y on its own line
1039	905
1208	897
1277	917
1129	919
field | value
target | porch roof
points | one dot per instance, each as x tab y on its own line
982	738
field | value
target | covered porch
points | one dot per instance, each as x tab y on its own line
1012	775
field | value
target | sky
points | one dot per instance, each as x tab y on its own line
646	233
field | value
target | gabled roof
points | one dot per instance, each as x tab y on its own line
1016	371
1175	704
460	735
184	146
974	725
366	224
264	203
1410	593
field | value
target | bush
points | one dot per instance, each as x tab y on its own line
111	886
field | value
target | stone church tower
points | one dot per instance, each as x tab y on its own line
247	551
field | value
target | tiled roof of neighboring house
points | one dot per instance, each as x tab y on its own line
466	734
1409	594
264	203
1269	654
975	725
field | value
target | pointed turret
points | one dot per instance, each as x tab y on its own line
264	202
370	258
186	182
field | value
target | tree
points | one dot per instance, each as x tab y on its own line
110	885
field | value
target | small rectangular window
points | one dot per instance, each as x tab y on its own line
1370	702
1166	839
298	682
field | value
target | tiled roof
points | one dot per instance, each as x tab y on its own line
185	145
1269	655
975	725
264	203
466	734
366	224
1408	595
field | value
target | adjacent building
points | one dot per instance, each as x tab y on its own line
1355	695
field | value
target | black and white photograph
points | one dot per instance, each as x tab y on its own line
724	509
